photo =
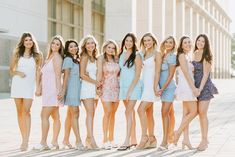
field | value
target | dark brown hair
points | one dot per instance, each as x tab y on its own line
207	55
131	59
180	49
68	54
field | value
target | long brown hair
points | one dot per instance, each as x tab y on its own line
83	50
20	49
207	55
155	42
61	50
104	46
131	59
180	49
68	54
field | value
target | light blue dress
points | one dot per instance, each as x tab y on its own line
72	95
169	92
126	77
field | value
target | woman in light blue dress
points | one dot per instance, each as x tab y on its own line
71	92
130	87
167	88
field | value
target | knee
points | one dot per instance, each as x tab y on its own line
129	111
26	112
140	110
90	113
75	114
202	114
165	113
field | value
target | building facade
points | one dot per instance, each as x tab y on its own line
113	19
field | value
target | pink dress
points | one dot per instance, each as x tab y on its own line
49	93
110	88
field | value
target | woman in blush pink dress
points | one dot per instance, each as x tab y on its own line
51	92
110	91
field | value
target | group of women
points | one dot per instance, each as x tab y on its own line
73	73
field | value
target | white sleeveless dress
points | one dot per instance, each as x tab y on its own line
183	91
148	73
88	90
24	87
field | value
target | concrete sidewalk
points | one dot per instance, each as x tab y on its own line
221	118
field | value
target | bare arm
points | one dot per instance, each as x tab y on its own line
184	68
138	66
57	63
206	73
38	77
171	73
12	68
83	75
158	63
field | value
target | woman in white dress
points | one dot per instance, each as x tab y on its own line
148	44
25	64
186	90
88	72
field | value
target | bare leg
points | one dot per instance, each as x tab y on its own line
166	106
67	127
90	111
107	106
112	121
75	123
56	125
203	109
129	120
45	114
171	125
192	108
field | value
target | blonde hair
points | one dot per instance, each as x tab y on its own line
153	38
104	46
162	46
61	50
20	49
82	46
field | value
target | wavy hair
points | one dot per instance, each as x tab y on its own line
162	46
83	50
20	49
153	38
207	55
104	46
61	50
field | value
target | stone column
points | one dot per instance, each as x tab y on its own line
158	19
143	17
87	13
180	17
195	24
189	21
170	14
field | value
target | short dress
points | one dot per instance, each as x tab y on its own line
169	93
126	77
88	90
24	87
183	91
110	87
209	88
49	91
148	74
72	95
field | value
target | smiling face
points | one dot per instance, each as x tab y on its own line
110	49
55	45
90	45
200	43
186	45
169	44
73	48
148	42
129	43
28	42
